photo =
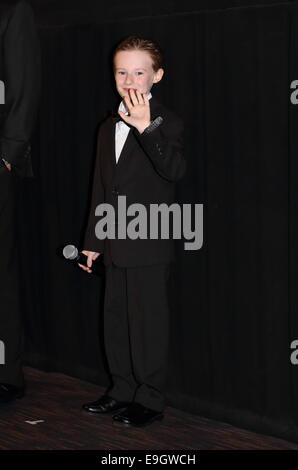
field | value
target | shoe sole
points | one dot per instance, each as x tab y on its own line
109	412
130	425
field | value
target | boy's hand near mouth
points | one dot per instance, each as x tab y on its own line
138	107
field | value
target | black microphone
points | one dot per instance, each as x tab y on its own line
71	253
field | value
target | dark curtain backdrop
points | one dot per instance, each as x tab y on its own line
234	302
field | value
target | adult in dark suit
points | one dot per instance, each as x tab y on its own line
20	82
136	310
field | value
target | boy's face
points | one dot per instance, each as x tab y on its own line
133	69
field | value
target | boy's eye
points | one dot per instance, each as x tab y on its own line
122	73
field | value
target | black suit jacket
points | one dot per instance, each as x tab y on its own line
146	172
20	70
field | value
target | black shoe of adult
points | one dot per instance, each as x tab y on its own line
10	392
105	404
137	415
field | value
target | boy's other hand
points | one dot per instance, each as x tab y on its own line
138	107
91	255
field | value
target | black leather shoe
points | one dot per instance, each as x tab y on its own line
105	404
137	415
10	392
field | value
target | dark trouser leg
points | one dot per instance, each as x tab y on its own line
148	310
10	321
116	333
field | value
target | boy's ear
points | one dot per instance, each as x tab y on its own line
158	75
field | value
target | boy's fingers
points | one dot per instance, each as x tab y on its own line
133	96
141	97
85	268
128	102
146	101
125	117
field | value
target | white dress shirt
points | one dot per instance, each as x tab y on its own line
121	131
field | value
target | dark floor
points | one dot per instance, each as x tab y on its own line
56	399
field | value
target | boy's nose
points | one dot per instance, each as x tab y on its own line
129	83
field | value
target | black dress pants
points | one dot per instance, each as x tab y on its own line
136	332
10	321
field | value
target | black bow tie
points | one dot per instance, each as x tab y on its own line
116	118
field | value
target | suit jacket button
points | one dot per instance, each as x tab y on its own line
159	149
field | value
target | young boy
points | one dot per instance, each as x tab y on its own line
139	156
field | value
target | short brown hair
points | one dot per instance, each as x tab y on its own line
137	43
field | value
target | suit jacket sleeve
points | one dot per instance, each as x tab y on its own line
164	147
21	51
91	242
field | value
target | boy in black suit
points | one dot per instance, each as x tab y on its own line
139	156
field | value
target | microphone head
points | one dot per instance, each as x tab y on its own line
70	252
